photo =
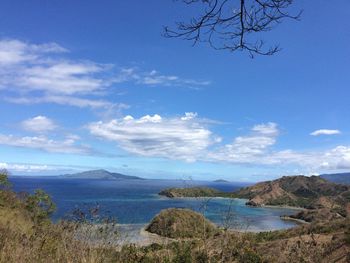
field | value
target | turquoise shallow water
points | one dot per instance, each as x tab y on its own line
136	202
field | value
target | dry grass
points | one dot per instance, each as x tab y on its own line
28	236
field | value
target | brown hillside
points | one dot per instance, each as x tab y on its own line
300	191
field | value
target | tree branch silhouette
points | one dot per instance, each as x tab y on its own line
231	24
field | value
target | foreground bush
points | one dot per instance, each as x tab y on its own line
181	223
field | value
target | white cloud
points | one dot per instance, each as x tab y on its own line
325	132
14	51
70	101
68	145
154	78
32	74
338	157
268	129
175	138
187	138
65	78
250	148
332	159
39	124
28	168
54	77
189	116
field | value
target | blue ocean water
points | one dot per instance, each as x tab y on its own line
137	201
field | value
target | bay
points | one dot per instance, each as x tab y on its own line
134	203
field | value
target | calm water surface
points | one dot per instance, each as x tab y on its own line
136	202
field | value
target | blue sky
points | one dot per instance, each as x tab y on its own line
86	85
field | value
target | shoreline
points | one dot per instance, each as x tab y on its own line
299	221
284	206
237	198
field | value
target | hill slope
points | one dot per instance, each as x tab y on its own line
100	174
300	191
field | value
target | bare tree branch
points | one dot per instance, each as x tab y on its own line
232	24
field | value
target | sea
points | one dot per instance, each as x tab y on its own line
133	203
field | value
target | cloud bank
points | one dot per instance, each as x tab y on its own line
188	138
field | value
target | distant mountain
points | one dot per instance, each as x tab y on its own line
221	181
101	174
339	178
299	191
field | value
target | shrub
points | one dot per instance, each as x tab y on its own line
181	223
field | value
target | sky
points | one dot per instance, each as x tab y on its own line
94	85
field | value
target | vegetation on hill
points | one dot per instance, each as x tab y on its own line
27	235
299	191
193	192
181	223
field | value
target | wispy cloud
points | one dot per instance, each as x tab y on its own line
39	124
32	74
325	132
69	101
13	52
28	168
155	78
68	145
27	67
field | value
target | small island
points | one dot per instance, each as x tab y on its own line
220	181
194	192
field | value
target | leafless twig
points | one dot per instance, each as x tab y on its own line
231	24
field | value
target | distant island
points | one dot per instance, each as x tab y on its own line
101	174
221	181
193	192
339	178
